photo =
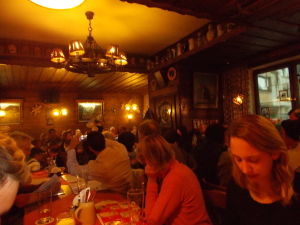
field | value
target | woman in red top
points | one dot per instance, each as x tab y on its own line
174	195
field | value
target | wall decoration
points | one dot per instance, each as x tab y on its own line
197	123
36	109
89	109
265	112
205	90
13	111
283	95
165	114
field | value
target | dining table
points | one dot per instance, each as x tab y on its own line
63	205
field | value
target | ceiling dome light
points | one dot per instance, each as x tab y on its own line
58	4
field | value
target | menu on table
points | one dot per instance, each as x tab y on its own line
113	213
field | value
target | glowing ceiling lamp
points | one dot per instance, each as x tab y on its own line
58	4
88	58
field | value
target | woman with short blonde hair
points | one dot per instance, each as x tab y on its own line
13	170
262	175
174	195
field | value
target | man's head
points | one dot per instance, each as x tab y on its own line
290	131
148	127
127	139
23	141
52	133
37	153
96	141
122	129
294	114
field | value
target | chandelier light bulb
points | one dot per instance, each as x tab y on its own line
64	112
55	112
130	116
127	107
58	4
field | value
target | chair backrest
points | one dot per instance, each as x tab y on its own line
215	201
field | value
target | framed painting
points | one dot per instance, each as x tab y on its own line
205	90
165	114
12	111
283	95
89	109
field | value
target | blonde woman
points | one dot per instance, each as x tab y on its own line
174	195
13	170
262	191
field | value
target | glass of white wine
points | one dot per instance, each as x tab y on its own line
45	207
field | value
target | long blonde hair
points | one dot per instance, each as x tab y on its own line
262	134
156	151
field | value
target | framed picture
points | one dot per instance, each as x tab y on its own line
89	109
165	113
205	90
283	95
12	109
265	112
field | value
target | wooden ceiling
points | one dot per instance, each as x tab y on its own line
272	33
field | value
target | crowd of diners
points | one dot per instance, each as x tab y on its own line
257	164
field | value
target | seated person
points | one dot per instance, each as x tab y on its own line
174	195
261	191
128	139
93	124
13	171
111	167
36	157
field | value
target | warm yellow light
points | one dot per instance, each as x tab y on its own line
55	112
2	113
134	107
58	4
238	99
130	116
127	107
169	111
64	112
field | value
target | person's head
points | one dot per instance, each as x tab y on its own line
215	133
155	151
96	122
294	114
100	128
127	139
112	129
122	129
36	142
171	136
96	141
37	153
259	156
23	141
290	132
148	127
13	170
52	133
66	136
43	136
109	135
182	131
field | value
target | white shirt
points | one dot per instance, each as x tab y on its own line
111	167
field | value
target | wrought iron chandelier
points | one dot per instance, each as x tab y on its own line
89	58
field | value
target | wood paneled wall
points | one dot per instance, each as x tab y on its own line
34	125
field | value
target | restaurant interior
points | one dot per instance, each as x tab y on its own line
181	63
185	63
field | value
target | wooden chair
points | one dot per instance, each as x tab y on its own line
215	201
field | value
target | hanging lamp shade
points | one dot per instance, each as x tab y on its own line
76	48
122	60
57	56
112	51
58	4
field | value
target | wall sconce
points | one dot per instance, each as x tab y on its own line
238	99
62	112
2	113
129	116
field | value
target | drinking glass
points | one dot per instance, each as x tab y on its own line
82	179
45	207
135	198
65	218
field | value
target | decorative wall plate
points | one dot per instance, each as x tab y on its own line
153	84
172	73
